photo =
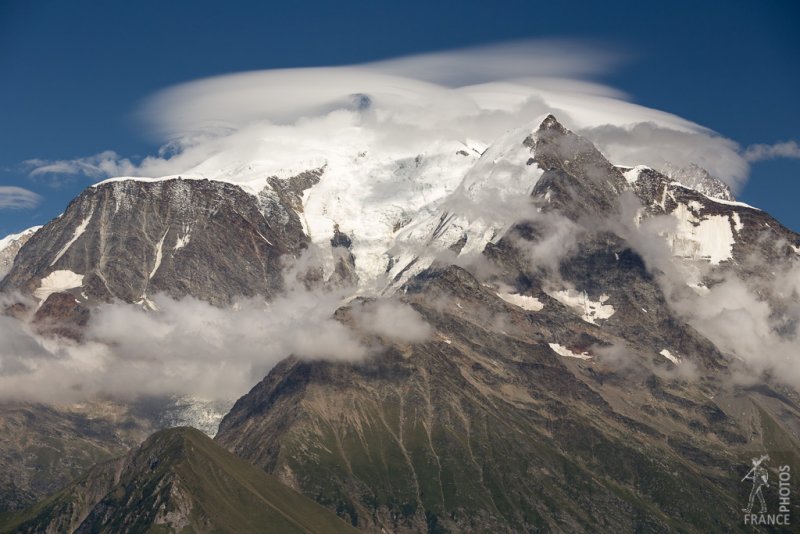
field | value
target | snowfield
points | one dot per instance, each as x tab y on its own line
699	237
57	281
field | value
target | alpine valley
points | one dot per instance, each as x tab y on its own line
515	336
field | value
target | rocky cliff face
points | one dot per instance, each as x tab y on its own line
129	240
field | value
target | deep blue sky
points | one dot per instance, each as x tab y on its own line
72	73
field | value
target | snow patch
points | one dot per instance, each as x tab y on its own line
696	238
159	255
715	199
264	238
56	282
523	301
78	232
737	222
668	355
146	303
564	351
579	301
695	206
731	203
183	239
632	175
699	288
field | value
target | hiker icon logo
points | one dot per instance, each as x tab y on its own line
759	478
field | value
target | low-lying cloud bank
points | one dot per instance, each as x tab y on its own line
189	347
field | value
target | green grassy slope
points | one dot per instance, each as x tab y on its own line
179	480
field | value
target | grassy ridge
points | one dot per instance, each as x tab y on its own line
179	480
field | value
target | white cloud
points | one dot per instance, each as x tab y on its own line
238	126
392	320
185	347
759	152
190	347
664	148
763	333
558	58
756	320
16	198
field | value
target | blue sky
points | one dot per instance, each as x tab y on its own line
74	73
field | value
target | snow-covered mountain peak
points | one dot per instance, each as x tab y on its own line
402	201
505	170
549	122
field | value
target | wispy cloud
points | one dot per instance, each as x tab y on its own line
102	165
760	152
17	198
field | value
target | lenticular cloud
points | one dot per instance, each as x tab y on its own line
284	120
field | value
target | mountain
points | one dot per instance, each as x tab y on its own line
129	239
698	179
124	241
604	347
563	395
177	481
